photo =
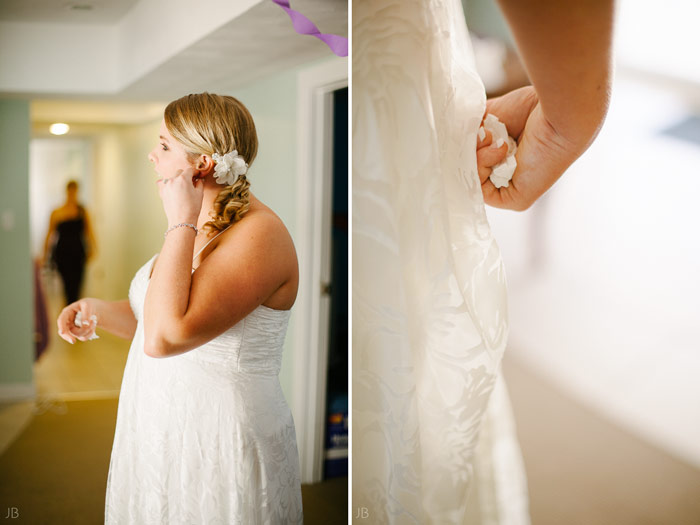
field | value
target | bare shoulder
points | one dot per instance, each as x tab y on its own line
259	249
260	228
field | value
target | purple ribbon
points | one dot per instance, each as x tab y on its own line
304	26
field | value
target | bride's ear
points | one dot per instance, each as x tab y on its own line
205	165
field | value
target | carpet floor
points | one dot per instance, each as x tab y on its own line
55	471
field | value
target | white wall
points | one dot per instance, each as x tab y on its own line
145	218
52	163
662	41
603	272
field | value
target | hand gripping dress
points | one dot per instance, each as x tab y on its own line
205	437
432	433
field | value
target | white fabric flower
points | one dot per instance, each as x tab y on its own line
229	167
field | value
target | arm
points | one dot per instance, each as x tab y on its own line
49	234
115	317
183	311
566	49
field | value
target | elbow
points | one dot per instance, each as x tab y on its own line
572	131
579	136
155	345
161	343
523	206
155	349
589	131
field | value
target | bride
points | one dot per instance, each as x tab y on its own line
203	433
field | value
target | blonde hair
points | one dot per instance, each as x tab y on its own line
206	124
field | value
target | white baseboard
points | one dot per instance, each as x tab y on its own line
17	391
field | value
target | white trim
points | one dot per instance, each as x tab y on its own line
17	391
314	88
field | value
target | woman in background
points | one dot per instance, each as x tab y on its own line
74	244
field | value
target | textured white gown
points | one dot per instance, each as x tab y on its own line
432	433
205	437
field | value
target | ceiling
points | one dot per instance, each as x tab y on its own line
255	43
97	12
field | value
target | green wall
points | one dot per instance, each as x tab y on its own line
273	104
16	288
273	177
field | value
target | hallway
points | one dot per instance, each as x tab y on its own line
54	453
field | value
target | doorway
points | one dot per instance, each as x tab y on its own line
336	427
314	322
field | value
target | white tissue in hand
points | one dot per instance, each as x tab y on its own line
501	173
79	323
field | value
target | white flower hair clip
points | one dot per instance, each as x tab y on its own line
229	167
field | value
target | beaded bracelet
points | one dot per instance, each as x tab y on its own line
196	231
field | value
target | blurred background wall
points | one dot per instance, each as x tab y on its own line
604	290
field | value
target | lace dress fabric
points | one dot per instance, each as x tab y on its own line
431	441
205	437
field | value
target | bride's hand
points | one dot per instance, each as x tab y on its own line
542	156
67	328
182	195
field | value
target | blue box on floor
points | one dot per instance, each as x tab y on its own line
336	453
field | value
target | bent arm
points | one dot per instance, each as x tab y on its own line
183	310
566	48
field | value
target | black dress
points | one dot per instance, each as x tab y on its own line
69	254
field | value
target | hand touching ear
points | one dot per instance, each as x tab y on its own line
182	195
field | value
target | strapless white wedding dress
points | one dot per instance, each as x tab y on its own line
205	437
432	432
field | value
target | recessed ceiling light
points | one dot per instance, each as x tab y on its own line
59	128
81	7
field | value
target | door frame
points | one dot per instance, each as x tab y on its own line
315	87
